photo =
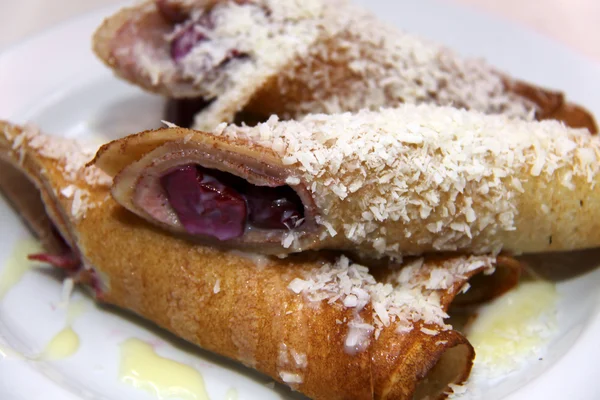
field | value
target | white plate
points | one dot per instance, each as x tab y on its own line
53	80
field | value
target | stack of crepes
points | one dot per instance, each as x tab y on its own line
325	326
463	185
241	239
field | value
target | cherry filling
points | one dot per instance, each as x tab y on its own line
273	208
72	265
221	205
204	205
195	32
185	41
68	261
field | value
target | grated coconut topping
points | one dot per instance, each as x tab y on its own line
437	176
72	157
386	67
410	296
339	55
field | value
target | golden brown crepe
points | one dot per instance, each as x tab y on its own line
290	58
325	327
405	181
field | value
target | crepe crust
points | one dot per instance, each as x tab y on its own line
341	59
480	183
254	317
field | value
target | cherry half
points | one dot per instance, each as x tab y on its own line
218	204
192	34
204	205
185	41
273	208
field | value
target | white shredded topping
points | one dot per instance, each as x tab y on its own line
72	157
282	358
68	191
411	296
465	288
169	124
288	239
292	181
423	170
428	331
301	48
298	285
217	287
358	337
299	358
386	67
290	377
67	290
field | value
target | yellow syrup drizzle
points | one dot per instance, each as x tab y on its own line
17	264
143	369
514	326
66	342
231	394
75	310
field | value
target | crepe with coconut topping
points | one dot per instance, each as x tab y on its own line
323	325
245	60
405	181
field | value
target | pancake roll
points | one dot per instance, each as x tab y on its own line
405	181
232	60
320	323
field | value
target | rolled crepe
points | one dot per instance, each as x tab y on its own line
325	327
24	198
246	60
405	181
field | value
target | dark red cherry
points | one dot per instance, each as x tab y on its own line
204	205
273	208
190	35
185	41
68	261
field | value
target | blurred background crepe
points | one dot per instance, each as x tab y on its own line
357	61
575	24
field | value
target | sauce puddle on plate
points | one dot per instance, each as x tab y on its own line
515	327
143	369
18	264
66	342
232	394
